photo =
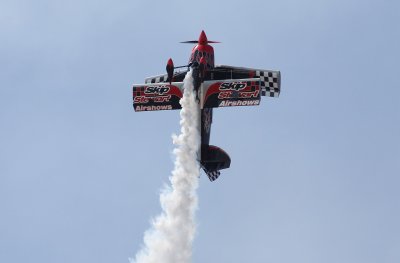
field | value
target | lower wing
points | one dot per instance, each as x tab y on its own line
270	80
212	94
223	86
159	96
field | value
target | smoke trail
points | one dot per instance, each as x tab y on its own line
170	238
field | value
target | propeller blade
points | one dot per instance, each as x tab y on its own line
190	42
196	42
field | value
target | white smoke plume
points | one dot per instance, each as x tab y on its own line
170	238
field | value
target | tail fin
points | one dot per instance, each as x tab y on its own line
213	175
214	159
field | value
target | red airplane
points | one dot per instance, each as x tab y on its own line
215	86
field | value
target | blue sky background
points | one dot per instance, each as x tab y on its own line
314	175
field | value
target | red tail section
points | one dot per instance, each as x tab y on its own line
214	159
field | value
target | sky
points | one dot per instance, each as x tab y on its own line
314	174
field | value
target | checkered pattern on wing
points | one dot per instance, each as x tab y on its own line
269	81
157	79
138	91
213	175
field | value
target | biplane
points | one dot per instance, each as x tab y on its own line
215	86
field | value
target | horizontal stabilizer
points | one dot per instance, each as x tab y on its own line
214	159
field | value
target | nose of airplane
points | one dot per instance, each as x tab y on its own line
203	38
201	41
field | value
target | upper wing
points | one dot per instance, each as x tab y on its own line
178	77
270	80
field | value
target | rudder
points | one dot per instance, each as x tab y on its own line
214	159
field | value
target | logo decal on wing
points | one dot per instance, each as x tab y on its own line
230	103
146	99
159	90
232	86
241	95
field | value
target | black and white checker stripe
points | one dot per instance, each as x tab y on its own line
213	175
156	79
270	83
